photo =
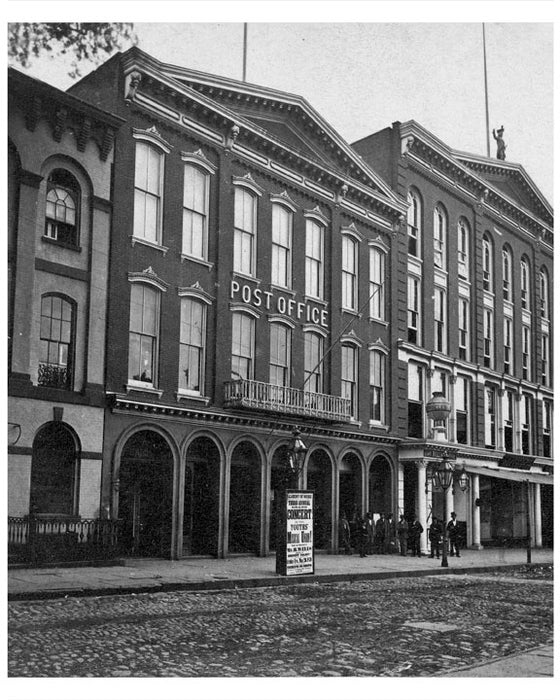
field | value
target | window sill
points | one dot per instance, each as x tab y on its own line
144	387
379	426
353	312
246	276
379	321
69	246
183	395
284	290
150	244
315	300
200	261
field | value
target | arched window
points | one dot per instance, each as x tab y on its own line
487	264
525	284
54	467
62	208
144	333
414	224
440	237
56	342
544	292
463	239
507	274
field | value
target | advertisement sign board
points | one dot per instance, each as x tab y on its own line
294	548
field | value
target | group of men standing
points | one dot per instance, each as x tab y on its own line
384	536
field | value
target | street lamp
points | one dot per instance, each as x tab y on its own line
297	450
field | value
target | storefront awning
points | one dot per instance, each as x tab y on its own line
512	474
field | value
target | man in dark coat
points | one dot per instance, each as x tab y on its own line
380	535
435	533
415	531
453	533
402	532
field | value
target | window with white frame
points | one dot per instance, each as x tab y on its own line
488	338
414	311
56	342
143	333
526	417
508	346
62	208
490	416
377	386
314	258
349	376
525	285
416	393
508	408
195	211
148	192
440	237
464	326
507	271
280	354
192	341
282	224
462	403
313	365
414	219
544	291
440	320
526	352
242	346
545	352
349	273
487	264
463	238
547	428
245	231
377	283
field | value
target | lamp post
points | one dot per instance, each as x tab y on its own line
297	450
443	473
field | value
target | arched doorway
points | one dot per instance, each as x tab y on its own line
54	471
281	477
146	495
244	499
319	480
380	496
202	498
350	487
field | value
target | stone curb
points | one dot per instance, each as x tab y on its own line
263	582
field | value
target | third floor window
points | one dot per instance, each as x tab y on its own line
349	273
148	192
282	223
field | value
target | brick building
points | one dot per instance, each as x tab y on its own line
249	296
474	294
59	210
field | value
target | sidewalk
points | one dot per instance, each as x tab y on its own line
197	574
536	663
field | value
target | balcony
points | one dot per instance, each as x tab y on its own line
247	393
53	376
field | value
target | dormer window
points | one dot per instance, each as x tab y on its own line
61	216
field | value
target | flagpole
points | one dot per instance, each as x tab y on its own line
486	92
244	51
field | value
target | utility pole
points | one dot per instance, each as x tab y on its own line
486	92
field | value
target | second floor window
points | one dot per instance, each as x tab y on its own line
413	315
56	340
416	390
314	254
280	354
547	428
377	386
462	402
490	417
148	192
526	352
281	246
377	284
525	285
349	273
349	376
192	345
313	367
545	359
487	264
508	346
507	274
526	408
242	346
464	335
508	408
143	333
488	338
440	320
61	220
245	232
195	212
543	285
463	237
440	237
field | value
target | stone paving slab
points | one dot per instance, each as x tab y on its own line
535	663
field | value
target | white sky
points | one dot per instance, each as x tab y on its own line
362	75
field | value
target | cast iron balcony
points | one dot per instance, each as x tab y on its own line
54	376
247	393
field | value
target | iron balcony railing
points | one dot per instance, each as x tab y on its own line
248	393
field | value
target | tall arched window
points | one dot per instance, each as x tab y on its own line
56	350
440	237
144	333
525	284
54	471
414	224
148	193
463	239
62	208
195	211
507	274
544	292
487	263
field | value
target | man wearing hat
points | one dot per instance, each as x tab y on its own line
453	533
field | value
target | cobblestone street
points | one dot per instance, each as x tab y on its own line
400	627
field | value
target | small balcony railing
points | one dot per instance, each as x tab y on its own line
54	376
247	393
